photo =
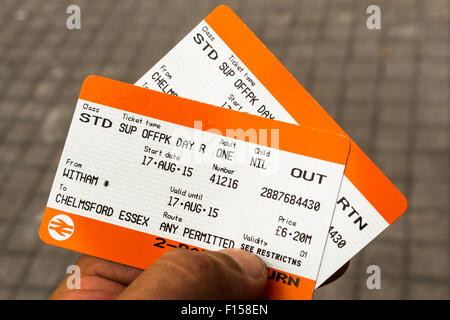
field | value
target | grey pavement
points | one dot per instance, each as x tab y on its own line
388	88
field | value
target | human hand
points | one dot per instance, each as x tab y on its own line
178	274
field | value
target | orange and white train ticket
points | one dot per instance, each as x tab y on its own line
143	172
221	62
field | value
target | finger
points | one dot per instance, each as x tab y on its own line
184	274
120	273
99	279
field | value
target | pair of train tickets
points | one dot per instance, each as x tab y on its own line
217	146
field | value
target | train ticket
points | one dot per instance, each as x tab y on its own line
143	172
221	62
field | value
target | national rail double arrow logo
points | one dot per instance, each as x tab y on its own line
61	227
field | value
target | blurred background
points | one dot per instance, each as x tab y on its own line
388	88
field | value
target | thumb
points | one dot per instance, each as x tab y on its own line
184	274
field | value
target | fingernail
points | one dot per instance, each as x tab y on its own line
252	265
